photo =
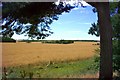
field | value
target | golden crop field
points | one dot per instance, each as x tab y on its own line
27	53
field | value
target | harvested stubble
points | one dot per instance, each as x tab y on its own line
14	54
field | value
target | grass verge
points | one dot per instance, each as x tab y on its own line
52	69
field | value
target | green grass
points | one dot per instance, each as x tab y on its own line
56	70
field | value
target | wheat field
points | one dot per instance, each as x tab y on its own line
22	53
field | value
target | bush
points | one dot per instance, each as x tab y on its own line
96	65
116	58
7	39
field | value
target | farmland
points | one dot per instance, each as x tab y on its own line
48	59
15	53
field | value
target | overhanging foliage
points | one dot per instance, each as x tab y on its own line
39	14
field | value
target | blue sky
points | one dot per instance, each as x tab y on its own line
72	26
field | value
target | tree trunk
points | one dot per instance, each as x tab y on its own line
106	70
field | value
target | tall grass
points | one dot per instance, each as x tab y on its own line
53	70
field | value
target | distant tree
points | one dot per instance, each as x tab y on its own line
7	39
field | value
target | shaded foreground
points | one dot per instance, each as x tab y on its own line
15	54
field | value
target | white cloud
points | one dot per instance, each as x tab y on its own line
19	37
75	8
85	4
57	3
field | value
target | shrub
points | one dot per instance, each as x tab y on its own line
96	63
23	74
7	39
116	58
